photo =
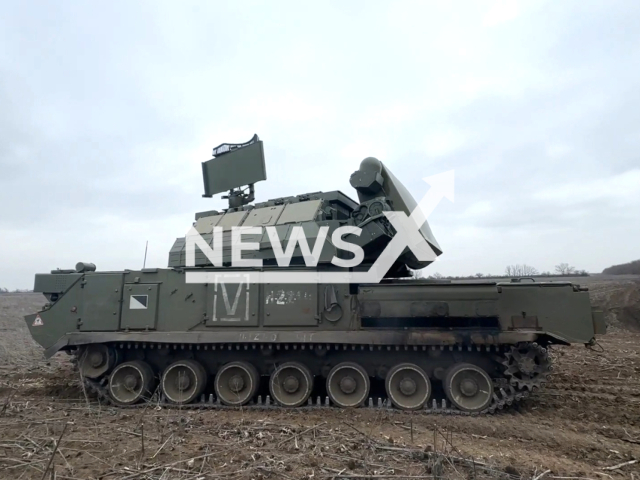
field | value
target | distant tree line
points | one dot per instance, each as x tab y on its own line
519	270
17	290
631	268
566	269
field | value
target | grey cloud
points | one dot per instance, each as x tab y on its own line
107	110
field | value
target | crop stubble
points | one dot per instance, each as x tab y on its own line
586	423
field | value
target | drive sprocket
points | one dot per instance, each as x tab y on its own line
527	365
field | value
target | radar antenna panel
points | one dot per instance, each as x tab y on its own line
233	168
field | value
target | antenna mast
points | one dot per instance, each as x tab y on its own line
144	264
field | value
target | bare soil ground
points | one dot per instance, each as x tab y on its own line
585	424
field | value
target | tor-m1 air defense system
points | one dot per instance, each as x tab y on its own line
191	335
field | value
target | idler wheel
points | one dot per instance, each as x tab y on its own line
183	381
131	382
291	384
348	385
96	360
408	386
236	383
468	387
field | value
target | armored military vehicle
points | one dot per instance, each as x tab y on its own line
229	326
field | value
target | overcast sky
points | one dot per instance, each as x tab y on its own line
107	110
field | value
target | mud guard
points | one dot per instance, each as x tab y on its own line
599	323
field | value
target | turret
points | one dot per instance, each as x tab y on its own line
235	169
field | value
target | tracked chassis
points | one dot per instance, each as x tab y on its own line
414	345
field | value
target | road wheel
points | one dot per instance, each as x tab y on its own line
348	385
291	384
131	382
183	381
408	387
236	383
468	387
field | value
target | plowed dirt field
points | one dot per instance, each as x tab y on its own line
585	424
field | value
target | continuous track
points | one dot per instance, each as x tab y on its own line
521	377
